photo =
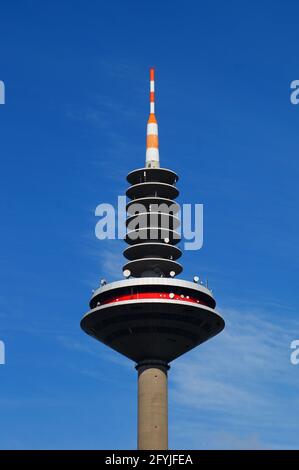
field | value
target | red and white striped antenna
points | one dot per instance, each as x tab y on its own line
152	143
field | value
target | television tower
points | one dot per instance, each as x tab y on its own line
151	317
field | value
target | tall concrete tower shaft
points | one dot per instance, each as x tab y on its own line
151	316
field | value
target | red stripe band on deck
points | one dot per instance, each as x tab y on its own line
153	295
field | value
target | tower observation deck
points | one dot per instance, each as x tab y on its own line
151	316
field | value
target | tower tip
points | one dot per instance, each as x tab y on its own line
152	73
152	145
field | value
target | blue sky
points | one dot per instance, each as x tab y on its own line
73	126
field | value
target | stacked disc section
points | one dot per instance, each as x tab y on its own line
152	224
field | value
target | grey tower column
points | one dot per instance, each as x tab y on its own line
152	405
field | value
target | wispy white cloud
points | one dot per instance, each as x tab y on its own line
91	359
102	113
199	436
241	382
112	262
92	348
